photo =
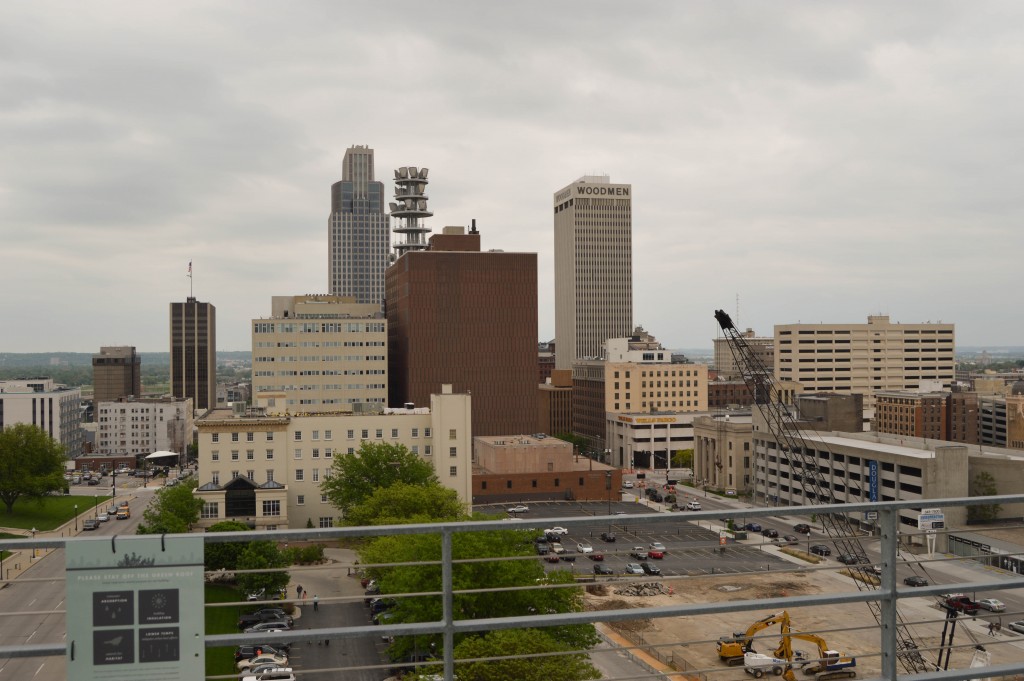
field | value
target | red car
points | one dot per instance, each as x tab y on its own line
595	556
655	553
551	558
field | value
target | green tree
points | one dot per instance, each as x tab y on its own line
404	503
682	458
983	485
262	555
173	509
31	464
518	643
578	443
224	556
354	477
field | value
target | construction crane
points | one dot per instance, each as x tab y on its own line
731	649
804	470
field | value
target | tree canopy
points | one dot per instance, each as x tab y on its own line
261	555
173	510
403	503
224	556
31	464
517	643
682	458
354	477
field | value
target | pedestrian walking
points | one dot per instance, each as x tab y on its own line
298	591
316	603
991	628
304	594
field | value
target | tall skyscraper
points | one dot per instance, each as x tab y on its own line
116	373
463	317
194	353
593	267
358	231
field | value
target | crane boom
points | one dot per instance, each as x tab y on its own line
804	471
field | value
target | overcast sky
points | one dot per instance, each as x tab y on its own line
821	161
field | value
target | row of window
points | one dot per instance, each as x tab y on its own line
318	327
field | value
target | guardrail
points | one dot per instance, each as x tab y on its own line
659	658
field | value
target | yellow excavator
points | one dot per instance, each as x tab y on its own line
829	664
731	649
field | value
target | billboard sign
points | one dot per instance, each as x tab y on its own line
872	480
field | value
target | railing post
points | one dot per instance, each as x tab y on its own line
887	520
447	605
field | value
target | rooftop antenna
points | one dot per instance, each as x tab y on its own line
189	275
410	207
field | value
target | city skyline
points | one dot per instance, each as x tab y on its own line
821	163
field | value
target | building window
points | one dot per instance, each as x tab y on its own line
508	484
298	435
328	453
316	434
250	454
298	453
234	437
534	484
453	451
215	436
234	455
270	475
299	475
215	477
316	452
366	434
351	435
270	454
211	509
453	471
251	474
380	433
581	482
249	437
426	450
394	432
483	484
416	450
557	482
327	435
300	500
272	507
327	522
270	437
215	456
323	498
452	435
316	475
415	432
426	432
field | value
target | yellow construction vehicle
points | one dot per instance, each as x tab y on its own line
731	649
829	664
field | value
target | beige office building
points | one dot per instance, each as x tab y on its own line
725	364
139	427
593	267
266	470
320	353
116	373
864	358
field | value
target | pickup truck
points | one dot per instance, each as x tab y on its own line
962	603
639	552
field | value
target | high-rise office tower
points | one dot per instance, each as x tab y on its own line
116	373
593	267
194	353
357	231
468	318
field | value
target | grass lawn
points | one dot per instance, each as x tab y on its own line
8	535
221	621
53	512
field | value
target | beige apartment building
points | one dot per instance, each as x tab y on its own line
320	353
141	426
265	469
593	267
864	358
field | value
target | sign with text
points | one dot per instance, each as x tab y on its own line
872	481
135	609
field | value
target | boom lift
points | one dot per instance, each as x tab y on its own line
731	649
804	471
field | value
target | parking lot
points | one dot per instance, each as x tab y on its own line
691	550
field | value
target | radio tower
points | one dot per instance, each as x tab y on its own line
410	207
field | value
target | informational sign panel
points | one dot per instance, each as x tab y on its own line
931	519
135	609
872	481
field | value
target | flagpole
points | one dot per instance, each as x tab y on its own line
189	275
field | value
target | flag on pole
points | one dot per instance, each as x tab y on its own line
189	275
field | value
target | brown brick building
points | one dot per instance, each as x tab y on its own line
722	394
463	317
554	411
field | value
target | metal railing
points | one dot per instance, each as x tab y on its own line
667	659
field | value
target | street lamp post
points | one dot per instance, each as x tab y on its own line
95	505
76	517
34	548
608	486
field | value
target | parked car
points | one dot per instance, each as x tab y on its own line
595	556
273	673
847	559
992	605
519	509
264	615
246	652
265	627
802	528
752	527
650	568
601	569
789	539
962	603
633	569
627	484
123	513
569	556
1017	626
583	547
556	530
655	553
543	549
557	548
102	517
93	482
608	536
770	533
276	658
551	557
914	580
639	552
112	511
821	550
693	506
656	546
90	524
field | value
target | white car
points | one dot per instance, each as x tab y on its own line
634	569
992	605
276	674
693	506
102	517
584	548
627	484
656	546
265	658
519	509
556	530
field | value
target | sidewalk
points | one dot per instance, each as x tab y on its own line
335	581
